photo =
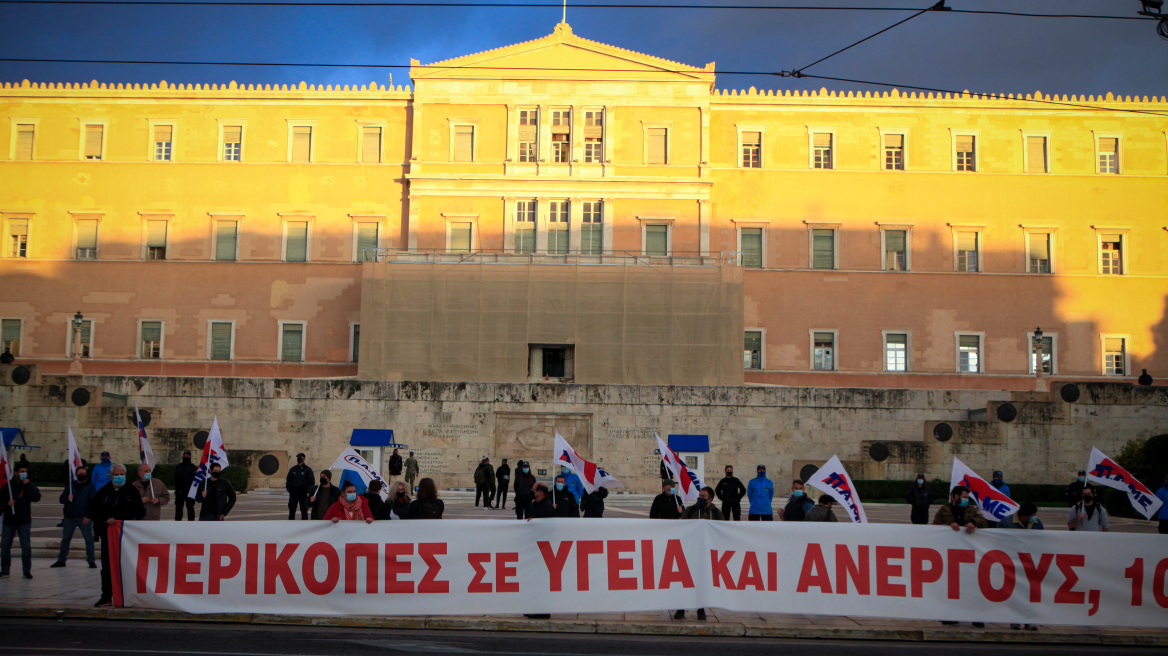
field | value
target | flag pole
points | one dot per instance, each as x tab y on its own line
141	451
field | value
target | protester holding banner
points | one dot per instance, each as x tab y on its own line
350	507
960	512
153	491
378	508
1087	515
703	508
1162	495
730	491
427	505
919	497
563	500
541	506
184	478
822	511
115	501
524	489
217	495
76	498
298	483
502	484
798	504
761	492
593	502
324	496
1026	519
17	498
399	504
666	505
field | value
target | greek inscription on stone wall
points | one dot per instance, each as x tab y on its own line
641	443
430	462
450	431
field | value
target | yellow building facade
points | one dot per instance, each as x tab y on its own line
832	239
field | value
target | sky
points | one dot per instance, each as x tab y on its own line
981	53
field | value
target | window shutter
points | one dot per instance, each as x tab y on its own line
11	331
220	341
151	331
822	140
366	240
86	332
24	141
965	143
463	143
1110	344
156	234
751	138
897	338
1111	238
293	343
527	132
18	227
752	247
894	141
371	145
657	240
226	233
1108	145
93	135
594	124
1036	154
894	240
460	237
87	233
967	241
658	145
297	247
969	341
232	134
301	143
1039	246
593	131
753	340
823	247
163	133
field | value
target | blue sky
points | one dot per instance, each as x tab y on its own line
951	51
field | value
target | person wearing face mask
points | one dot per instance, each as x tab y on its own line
350	506
592	503
1074	493
502	484
298	483
572	483
798	504
115	501
730	491
1000	484
703	508
398	506
1026	519
324	496
153	491
184	478
761	492
564	501
524	488
919	497
76	499
961	512
17	498
1087	515
541	505
667	505
101	471
217	495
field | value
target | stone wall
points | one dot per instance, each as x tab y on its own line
452	425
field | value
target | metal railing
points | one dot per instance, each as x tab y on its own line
500	256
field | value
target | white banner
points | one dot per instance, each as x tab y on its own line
1105	471
473	567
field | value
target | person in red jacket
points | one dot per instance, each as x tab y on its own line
350	506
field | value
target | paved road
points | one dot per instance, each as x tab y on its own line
110	638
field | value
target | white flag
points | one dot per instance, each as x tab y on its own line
591	476
992	502
832	480
1105	471
145	453
214	453
689	484
352	461
74	457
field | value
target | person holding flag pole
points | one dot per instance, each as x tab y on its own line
76	499
216	494
145	453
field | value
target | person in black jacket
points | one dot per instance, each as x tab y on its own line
592	503
730	491
666	505
324	496
377	507
920	497
114	502
1074	493
298	483
427	505
76	498
524	489
541	506
184	478
564	501
395	467
16	499
217	495
503	480
399	503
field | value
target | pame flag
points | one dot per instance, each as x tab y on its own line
145	453
214	453
689	484
1105	471
591	475
357	469
992	502
833	480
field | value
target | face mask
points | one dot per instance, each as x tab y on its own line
1088	500
323	481
119	480
1033	519
214	474
105	461
672	491
564	471
401	495
997	482
82	479
729	473
761	474
146	476
1081	479
23	476
526	470
559	487
300	461
797	493
352	496
701	503
187	459
964	503
920	481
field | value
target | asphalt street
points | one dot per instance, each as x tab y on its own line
101	638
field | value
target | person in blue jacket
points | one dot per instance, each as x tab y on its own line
1000	484
1162	495
101	472
572	483
760	491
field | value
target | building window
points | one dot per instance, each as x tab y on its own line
302	143
896	351
525	226
823	248
1044	350
94	141
558	227
367	241
823	351
751	247
528	135
894	152
463	143
296	241
151	348
87	239
460	236
1111	254
371	144
561	136
86	338
751	150
18	238
821	145
163	142
752	354
221	341
226	240
10	330
967	250
1114	356
355	343
1038	250
657	240
966	145
291	342
968	354
592	228
551	361
1036	161
657	144
156	240
896	250
1109	155
594	137
25	140
232	143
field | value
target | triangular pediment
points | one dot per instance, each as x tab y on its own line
562	55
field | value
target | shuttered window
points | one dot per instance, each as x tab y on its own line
894	152
1036	155
163	140
823	248
558	227
232	143
371	144
1039	248
658	145
752	150
292	342
156	240
969	354
221	340
226	240
591	228
366	241
896	352
93	138
464	143
594	137
151	340
87	239
967	251
752	351
460	237
296	244
752	248
10	336
823	156
25	136
966	153
525	226
18	238
302	143
1108	155
657	240
561	136
528	134
86	337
